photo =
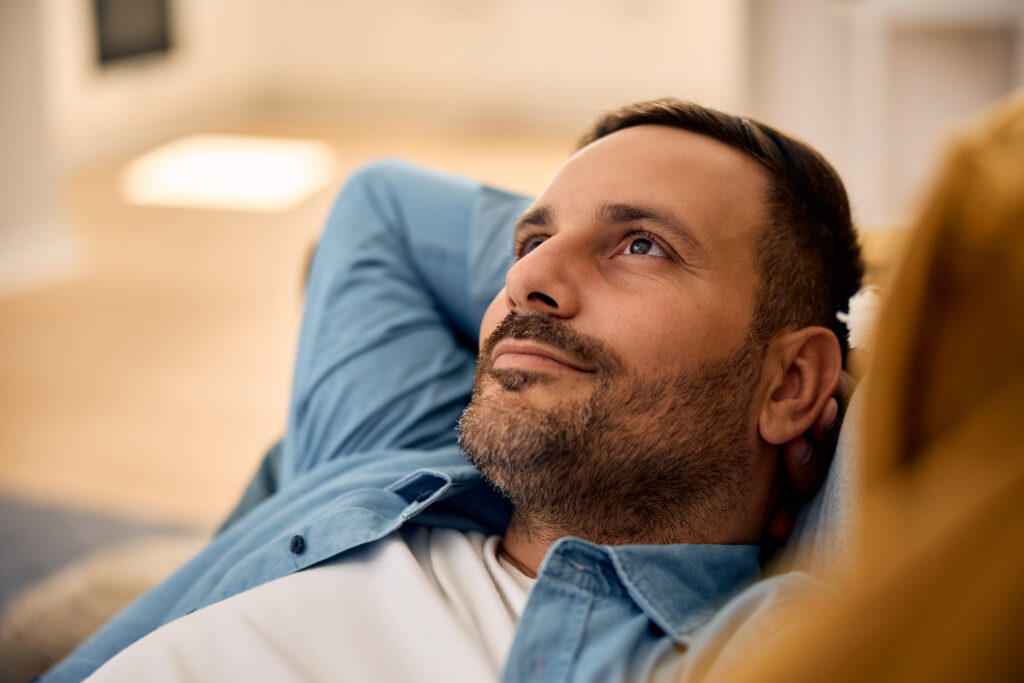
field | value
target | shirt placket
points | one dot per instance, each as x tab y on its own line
550	633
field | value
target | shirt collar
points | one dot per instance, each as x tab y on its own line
453	496
679	587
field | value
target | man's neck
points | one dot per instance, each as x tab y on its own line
526	544
528	539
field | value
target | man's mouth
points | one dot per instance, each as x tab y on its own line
528	354
537	345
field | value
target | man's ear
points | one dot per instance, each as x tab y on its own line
802	368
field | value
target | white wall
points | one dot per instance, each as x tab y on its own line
541	61
938	74
477	61
33	241
210	72
877	85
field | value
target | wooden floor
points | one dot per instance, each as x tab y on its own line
149	382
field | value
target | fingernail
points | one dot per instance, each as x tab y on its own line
833	411
803	456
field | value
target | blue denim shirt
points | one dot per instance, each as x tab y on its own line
596	613
370	446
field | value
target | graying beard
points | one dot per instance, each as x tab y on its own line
517	380
621	469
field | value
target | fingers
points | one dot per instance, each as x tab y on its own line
805	460
844	388
804	472
805	466
822	428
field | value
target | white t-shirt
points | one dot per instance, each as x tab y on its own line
418	605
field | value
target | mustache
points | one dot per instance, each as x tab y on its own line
557	334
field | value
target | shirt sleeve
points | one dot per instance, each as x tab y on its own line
408	260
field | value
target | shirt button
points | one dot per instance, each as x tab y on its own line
298	544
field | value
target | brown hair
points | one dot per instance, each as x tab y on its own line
807	254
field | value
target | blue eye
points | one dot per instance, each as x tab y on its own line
640	244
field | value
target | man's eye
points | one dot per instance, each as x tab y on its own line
529	244
644	245
641	245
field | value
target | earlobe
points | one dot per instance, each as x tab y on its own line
804	367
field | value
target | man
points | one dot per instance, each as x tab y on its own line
663	332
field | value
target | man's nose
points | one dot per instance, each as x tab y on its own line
545	280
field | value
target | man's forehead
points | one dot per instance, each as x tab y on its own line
689	182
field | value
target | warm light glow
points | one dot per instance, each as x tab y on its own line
229	172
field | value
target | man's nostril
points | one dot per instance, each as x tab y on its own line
543	298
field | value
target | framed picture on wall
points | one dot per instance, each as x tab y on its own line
126	29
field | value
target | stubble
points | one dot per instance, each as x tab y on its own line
634	460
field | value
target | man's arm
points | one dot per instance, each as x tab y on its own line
407	262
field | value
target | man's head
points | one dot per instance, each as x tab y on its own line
807	254
660	333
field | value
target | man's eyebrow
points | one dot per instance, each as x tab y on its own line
626	213
629	213
539	215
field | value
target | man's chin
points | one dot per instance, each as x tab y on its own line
516	380
525	388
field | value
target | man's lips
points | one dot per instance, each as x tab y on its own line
526	354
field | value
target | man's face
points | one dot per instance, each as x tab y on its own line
626	363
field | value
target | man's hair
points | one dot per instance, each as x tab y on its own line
807	255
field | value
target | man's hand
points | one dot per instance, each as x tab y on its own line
805	460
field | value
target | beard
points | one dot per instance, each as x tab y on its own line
636	460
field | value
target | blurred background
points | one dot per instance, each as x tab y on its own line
165	167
